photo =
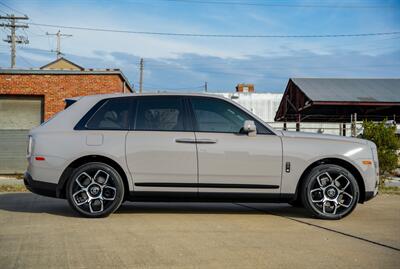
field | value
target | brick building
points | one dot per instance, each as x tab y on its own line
30	96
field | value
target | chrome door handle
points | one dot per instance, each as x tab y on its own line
206	141
185	140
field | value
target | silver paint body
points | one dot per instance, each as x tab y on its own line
147	156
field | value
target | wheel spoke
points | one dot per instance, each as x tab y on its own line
101	177
80	197
96	206
335	207
83	180
324	206
109	193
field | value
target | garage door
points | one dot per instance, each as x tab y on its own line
17	116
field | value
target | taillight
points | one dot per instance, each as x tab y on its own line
29	149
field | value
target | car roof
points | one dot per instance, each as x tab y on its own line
115	95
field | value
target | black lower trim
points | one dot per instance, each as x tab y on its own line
157	196
40	187
369	195
206	185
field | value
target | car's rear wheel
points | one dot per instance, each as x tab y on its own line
95	190
330	192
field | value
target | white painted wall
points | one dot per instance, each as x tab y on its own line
263	105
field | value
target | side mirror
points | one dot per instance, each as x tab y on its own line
249	127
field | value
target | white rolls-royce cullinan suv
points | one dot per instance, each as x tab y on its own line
106	149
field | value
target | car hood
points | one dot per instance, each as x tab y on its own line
324	137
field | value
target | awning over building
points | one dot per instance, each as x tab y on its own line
336	99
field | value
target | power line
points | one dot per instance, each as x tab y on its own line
26	61
31	49
18	11
58	37
225	3
13	9
13	39
214	35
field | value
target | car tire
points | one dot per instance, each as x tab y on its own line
95	190
330	192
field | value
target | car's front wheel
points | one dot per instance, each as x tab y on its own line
330	192
95	190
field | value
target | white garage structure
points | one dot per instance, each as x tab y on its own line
18	114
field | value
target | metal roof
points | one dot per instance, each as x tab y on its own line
350	89
67	72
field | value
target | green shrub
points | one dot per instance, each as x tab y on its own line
386	141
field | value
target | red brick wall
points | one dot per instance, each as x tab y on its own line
55	88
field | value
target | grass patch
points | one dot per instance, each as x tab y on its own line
389	190
19	176
13	188
12	176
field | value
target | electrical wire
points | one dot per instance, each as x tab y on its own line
25	60
13	9
225	3
213	35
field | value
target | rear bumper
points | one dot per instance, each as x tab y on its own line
40	187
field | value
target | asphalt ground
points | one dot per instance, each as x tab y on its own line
40	232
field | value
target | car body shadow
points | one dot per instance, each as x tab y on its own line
24	202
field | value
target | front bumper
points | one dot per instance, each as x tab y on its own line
40	187
369	195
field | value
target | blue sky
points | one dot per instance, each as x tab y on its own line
185	63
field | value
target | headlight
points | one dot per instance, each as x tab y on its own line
29	149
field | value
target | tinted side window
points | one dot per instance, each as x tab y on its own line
160	114
214	115
112	115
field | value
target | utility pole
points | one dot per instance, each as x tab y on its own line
13	39
205	86
141	76
58	37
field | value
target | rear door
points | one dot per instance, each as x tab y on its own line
229	161
160	147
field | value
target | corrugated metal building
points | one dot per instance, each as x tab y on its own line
336	99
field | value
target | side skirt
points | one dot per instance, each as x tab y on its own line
149	196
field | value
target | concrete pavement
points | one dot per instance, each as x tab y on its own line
39	232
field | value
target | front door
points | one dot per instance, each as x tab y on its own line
160	148
230	161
